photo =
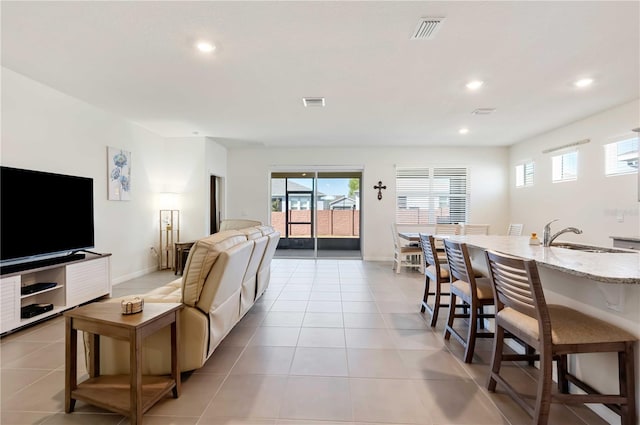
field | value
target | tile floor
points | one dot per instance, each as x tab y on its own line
330	342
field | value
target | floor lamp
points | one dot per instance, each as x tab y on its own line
169	230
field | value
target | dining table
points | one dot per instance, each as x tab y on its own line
415	236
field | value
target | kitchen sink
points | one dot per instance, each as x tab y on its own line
587	248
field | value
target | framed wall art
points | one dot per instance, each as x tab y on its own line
119	174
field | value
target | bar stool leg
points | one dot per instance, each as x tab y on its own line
543	396
436	306
563	383
452	308
425	298
471	335
628	415
496	359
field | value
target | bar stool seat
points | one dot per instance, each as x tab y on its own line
444	273
483	288
568	326
555	332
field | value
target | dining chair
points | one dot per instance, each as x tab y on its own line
434	273
555	331
405	255
474	229
445	229
474	292
515	229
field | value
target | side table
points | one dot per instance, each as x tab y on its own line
181	252
133	394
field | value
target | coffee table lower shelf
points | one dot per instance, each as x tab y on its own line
112	392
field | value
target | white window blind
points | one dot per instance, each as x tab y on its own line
431	195
564	167
621	157
524	174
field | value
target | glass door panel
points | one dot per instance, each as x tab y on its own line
338	214
292	213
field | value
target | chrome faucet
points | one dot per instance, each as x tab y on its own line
548	239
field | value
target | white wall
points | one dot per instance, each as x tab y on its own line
44	129
592	202
249	169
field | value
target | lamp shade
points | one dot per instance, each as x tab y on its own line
169	201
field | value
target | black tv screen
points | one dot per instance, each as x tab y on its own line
43	214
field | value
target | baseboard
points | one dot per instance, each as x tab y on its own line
380	259
126	277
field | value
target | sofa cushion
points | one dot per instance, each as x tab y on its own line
202	256
266	229
237	223
251	233
171	292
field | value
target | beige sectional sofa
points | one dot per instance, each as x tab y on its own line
225	274
238	223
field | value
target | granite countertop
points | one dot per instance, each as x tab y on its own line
625	238
618	267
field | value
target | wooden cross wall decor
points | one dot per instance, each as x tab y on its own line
379	186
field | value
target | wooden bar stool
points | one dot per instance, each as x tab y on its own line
554	331
433	273
474	292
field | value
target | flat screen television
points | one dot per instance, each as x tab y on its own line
43	215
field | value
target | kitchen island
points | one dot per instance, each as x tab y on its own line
601	282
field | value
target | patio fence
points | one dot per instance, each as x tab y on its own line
331	223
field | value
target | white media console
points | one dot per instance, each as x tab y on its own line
76	282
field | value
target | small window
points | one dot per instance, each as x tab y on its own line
524	174
621	157
565	167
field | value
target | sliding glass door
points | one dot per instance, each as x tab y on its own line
338	214
317	214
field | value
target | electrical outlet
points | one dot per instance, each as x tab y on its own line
620	216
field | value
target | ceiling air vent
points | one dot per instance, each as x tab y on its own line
313	102
483	111
427	28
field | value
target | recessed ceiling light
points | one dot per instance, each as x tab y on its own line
475	84
463	130
584	82
483	111
311	102
205	47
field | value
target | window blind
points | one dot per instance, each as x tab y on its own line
431	195
524	174
412	194
621	157
565	167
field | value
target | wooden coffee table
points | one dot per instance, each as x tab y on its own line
133	394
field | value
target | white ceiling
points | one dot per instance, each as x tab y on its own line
136	60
